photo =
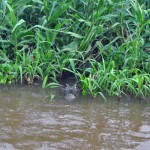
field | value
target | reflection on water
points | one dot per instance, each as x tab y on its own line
28	121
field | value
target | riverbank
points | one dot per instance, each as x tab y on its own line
104	44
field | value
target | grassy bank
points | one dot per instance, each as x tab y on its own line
104	43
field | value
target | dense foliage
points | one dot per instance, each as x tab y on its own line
105	43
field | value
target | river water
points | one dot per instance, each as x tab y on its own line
30	121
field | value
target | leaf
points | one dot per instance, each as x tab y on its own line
4	41
18	25
88	23
21	73
52	96
84	92
44	82
53	85
59	11
25	33
12	13
64	32
73	65
3	57
73	34
72	47
38	1
4	29
109	17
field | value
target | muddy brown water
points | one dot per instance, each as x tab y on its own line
28	121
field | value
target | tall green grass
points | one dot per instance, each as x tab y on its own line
105	43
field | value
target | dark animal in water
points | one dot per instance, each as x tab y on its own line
70	92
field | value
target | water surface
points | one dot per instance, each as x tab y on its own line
28	121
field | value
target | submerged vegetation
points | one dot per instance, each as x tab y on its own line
104	43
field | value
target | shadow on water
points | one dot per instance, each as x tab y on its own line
29	121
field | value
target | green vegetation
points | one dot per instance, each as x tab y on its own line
105	43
